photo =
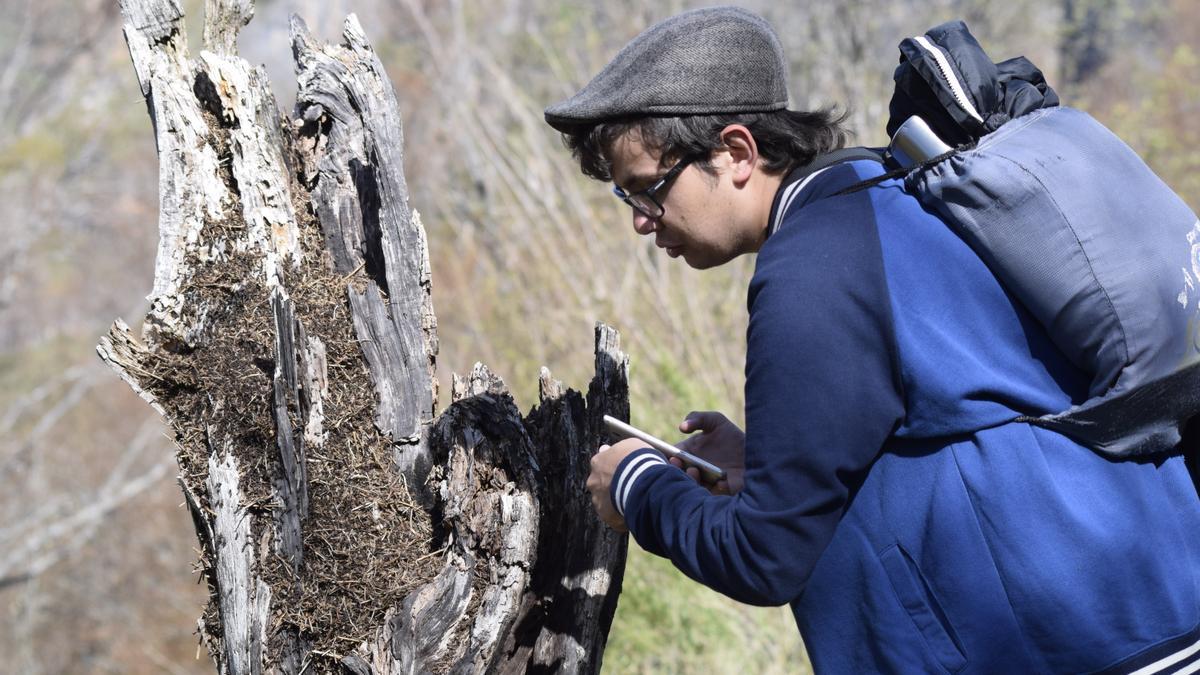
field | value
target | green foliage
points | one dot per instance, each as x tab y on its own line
667	623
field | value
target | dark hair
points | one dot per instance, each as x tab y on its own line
785	138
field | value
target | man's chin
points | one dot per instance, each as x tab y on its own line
703	260
701	264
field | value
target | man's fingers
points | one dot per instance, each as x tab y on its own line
691	422
691	471
700	420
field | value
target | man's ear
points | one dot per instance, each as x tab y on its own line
743	152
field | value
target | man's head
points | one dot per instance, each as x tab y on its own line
699	100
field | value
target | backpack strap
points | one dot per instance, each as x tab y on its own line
900	172
839	156
1151	418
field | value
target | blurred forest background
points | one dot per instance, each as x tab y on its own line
96	551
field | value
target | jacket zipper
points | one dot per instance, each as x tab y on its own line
943	66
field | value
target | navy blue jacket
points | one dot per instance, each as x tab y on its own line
891	498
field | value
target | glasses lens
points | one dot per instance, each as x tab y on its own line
645	204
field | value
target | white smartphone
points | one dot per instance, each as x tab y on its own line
711	473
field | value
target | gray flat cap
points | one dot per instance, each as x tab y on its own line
706	61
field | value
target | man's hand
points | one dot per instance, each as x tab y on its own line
720	442
604	465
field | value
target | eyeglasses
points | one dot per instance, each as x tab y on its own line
644	201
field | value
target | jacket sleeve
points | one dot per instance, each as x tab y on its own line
823	394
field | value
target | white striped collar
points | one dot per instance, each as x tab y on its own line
795	182
788	195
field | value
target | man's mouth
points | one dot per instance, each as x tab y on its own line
673	250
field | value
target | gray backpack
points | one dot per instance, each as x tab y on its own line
1102	253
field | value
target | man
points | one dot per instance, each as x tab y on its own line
882	486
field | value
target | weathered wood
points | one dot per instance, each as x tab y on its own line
291	343
291	484
362	200
124	355
245	599
240	98
222	21
490	506
190	188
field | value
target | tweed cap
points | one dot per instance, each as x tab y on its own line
706	61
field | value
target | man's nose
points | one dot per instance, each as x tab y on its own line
643	224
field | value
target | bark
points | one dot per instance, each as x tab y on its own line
291	345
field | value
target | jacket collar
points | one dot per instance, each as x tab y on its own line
800	177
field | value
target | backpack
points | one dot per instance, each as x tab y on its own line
1082	233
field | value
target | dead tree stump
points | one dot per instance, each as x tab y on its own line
291	345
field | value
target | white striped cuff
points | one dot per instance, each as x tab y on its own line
633	467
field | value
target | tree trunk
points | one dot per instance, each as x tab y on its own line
291	345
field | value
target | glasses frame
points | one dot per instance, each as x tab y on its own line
649	193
